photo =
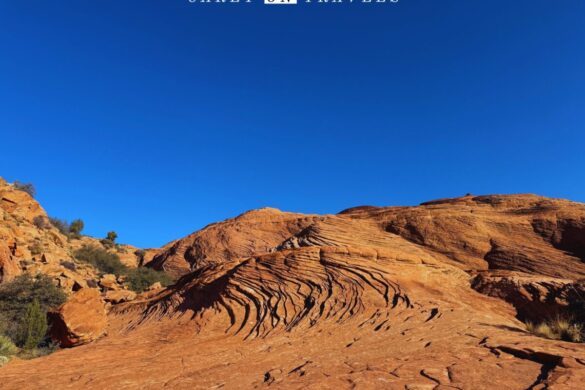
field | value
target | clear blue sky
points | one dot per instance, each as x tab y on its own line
155	118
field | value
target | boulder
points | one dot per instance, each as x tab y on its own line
119	296
8	266
82	319
109	282
155	286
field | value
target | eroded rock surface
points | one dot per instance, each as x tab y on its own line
29	243
423	297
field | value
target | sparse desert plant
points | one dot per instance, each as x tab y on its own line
60	224
107	243
140	253
568	330
558	328
36	248
75	228
7	347
104	261
29	188
139	279
40	222
112	236
33	327
46	347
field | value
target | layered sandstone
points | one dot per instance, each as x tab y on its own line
426	297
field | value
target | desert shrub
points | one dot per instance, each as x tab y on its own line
45	347
40	222
107	243
121	249
101	259
29	188
139	279
75	228
33	327
112	236
7	347
18	294
558	328
140	253
36	248
61	225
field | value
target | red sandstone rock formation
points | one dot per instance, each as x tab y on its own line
80	320
375	298
29	245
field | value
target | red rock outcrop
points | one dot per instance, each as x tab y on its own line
257	231
375	298
8	266
534	297
29	243
80	320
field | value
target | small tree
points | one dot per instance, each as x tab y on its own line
33	328
29	188
112	236
76	227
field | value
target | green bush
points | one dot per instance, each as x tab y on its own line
138	279
7	347
104	261
76	228
33	327
112	236
18	294
46	347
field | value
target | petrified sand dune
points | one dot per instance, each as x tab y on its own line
256	231
369	298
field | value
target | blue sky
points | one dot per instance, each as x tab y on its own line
155	118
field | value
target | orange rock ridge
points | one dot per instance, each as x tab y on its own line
425	297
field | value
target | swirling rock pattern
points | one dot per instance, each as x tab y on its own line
372	298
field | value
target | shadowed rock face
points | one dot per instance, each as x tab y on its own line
370	298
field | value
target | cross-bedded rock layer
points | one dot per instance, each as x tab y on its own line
370	298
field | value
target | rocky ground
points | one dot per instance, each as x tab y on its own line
426	297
